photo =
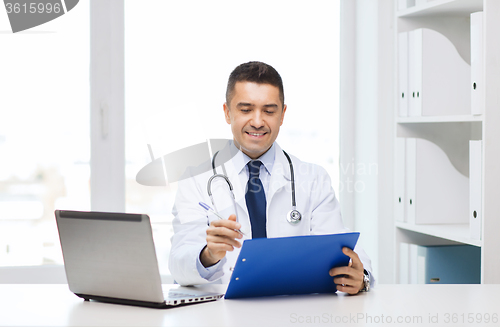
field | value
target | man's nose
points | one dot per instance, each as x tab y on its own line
257	119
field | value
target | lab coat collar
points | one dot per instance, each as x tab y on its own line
241	159
274	161
281	165
280	172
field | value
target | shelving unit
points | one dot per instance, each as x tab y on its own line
453	132
443	7
439	119
458	233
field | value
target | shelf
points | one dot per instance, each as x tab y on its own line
453	232
439	119
452	130
443	7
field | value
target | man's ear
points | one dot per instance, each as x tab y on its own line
227	113
283	114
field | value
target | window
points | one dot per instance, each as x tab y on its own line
44	134
178	56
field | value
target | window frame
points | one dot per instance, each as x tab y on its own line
107	105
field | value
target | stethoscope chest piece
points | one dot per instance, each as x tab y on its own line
293	217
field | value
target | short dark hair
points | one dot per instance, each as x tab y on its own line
257	72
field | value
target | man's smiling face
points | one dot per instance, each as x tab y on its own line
255	113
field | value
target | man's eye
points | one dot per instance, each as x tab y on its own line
245	110
270	112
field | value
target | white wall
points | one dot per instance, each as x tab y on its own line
366	107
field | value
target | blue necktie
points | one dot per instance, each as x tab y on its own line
256	201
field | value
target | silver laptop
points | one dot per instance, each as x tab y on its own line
110	257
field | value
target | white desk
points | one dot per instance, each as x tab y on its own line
55	305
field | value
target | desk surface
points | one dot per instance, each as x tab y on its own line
397	305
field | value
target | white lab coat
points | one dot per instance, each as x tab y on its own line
315	200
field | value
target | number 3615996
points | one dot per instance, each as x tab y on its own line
33	8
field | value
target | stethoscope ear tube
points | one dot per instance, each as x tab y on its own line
292	176
209	184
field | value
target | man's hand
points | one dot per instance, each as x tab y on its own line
221	237
349	279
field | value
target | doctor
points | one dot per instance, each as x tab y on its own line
255	110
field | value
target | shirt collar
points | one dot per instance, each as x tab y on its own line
240	159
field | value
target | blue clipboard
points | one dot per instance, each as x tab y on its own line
289	265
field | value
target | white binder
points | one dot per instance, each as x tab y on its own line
411	264
476	56
437	192
400	199
403	4
414	75
475	186
413	250
421	264
410	171
438	76
404	263
403	73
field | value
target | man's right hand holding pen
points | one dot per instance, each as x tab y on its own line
222	236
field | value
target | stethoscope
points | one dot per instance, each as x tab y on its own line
293	216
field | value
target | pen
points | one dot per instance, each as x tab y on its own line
207	208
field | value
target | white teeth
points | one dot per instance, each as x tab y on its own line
255	134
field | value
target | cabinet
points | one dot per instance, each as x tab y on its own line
448	124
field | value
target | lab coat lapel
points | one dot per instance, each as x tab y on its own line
239	184
238	181
280	176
